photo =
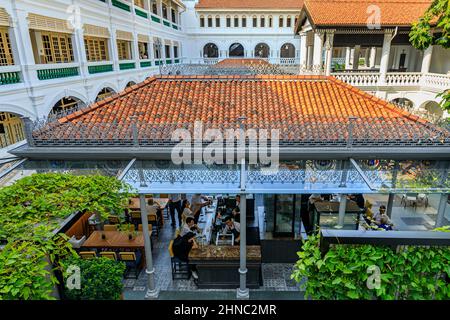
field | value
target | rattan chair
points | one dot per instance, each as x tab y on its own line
109	255
110	227
132	262
87	255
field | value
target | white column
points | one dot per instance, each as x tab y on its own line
318	46
329	52
373	57
303	51
24	57
385	52
243	292
348	52
366	57
152	291
342	209
356	52
426	60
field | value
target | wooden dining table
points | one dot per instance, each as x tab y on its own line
117	240
135	205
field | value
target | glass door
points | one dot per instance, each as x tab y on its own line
284	215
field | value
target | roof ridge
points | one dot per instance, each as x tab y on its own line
105	101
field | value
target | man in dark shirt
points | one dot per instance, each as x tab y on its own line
181	248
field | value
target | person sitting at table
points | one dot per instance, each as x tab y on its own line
153	208
181	248
377	216
236	214
384	223
233	227
189	226
186	211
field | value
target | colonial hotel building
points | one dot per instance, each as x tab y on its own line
357	110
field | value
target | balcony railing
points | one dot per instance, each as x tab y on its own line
146	64
156	19
121	5
47	74
100	68
141	13
127	66
9	77
433	81
403	78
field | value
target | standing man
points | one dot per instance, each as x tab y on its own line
175	204
198	202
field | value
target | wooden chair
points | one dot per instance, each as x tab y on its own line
154	221
132	263
110	227
135	217
109	255
86	255
113	219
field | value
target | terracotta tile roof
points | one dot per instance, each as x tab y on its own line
354	12
249	4
241	62
298	105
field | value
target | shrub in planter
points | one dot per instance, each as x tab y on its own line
347	272
101	279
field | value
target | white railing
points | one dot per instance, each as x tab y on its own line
403	78
431	81
358	79
289	61
436	81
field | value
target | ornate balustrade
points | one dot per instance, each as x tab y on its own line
358	79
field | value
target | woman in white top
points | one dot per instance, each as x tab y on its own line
187	212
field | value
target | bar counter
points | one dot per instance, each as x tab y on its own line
218	266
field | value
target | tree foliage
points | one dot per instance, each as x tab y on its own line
433	28
412	273
31	211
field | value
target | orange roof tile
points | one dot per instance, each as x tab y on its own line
355	12
249	4
313	102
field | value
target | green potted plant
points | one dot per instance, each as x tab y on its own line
128	228
101	279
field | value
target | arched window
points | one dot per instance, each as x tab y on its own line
236	50
262	23
287	51
210	22
244	21
202	21
288	21
104	93
236	21
66	106
270	22
11	129
228	22
255	22
217	21
262	50
280	23
210	50
130	84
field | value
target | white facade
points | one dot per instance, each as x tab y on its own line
34	97
250	28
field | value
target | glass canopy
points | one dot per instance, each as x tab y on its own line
292	177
